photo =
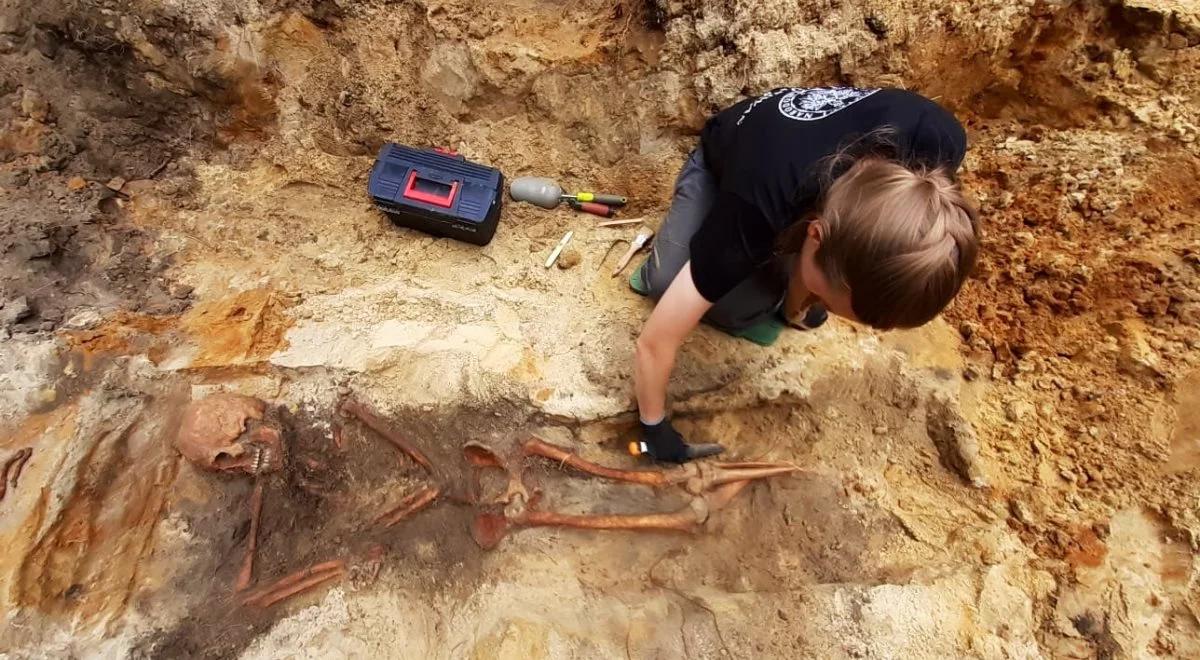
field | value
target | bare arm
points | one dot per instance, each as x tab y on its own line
679	310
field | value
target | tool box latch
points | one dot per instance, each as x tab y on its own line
430	191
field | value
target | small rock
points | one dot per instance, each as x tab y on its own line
329	260
76	183
880	430
40	248
1020	511
569	259
115	184
451	76
138	186
34	106
47	326
181	291
1135	356
426	552
14	179
989	551
877	25
1019	411
15	311
10	24
84	320
47	43
955	440
742	585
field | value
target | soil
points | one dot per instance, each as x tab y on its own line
182	212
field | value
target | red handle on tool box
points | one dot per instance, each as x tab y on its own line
411	192
601	210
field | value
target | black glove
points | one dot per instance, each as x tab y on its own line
663	443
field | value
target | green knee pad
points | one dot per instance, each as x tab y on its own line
637	280
763	333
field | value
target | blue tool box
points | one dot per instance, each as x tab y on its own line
438	192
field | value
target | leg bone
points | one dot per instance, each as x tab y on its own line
247	573
684	520
537	447
377	425
300	587
286	583
716	474
490	528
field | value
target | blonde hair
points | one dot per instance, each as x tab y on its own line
900	240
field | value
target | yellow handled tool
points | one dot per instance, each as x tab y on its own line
599	198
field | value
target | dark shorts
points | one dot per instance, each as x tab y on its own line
752	301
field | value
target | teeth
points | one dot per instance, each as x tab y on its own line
257	463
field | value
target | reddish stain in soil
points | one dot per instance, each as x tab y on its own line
246	327
1087	549
121	334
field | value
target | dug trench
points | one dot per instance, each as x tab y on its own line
833	523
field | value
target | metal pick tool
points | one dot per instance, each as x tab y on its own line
643	237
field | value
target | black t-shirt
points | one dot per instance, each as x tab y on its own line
768	155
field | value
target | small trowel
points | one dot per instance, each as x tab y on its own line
546	193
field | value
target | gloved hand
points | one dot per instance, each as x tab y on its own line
663	443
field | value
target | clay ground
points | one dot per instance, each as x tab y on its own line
183	211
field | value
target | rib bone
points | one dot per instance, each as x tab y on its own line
409	505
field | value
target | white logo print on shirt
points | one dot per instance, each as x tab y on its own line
810	104
820	102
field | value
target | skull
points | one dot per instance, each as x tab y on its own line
227	433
